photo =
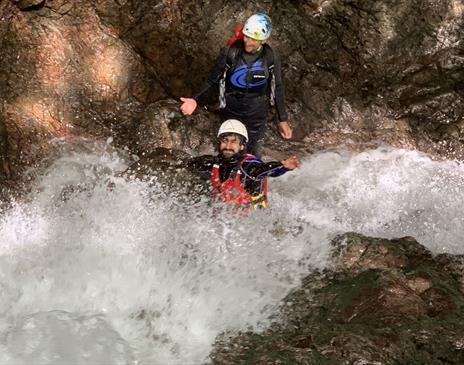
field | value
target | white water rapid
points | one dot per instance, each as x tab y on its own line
92	275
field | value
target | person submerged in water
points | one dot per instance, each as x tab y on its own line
237	178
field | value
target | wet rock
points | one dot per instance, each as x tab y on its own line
169	171
61	7
357	72
162	125
348	78
381	302
157	160
357	254
62	81
453	265
4	168
29	4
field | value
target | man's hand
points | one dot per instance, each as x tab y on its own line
285	130
188	106
291	163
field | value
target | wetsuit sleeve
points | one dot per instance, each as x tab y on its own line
279	89
258	170
201	165
215	75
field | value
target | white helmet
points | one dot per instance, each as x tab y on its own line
258	26
233	126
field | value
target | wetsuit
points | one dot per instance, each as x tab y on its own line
254	169
247	90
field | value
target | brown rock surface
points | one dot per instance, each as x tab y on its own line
357	72
383	302
66	75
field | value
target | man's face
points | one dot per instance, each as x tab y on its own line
230	145
251	45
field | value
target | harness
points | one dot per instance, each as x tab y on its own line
232	190
232	56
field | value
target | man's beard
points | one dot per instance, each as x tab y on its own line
231	155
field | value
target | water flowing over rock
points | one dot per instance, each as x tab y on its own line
383	302
358	73
104	236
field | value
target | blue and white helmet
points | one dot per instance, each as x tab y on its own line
258	26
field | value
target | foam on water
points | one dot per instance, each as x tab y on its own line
384	192
92	274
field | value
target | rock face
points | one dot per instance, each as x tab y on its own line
65	74
162	125
358	72
383	302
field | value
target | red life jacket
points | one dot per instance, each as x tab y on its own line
232	190
238	34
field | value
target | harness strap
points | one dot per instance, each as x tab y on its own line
230	60
263	188
273	85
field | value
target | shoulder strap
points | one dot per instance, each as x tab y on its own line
263	186
248	158
233	173
269	57
232	55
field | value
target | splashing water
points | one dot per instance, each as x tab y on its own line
127	275
385	193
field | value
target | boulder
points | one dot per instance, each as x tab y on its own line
381	302
357	73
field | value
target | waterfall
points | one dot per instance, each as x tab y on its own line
96	268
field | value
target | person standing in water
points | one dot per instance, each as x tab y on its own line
238	179
248	74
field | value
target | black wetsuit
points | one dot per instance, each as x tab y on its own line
254	170
247	91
